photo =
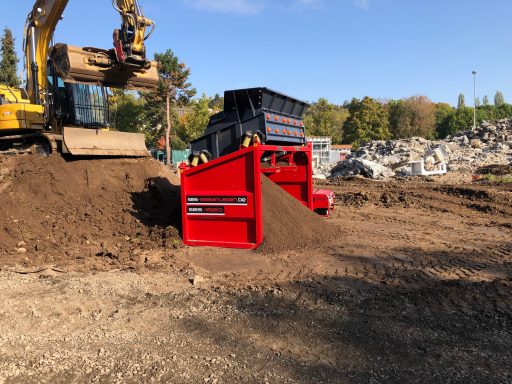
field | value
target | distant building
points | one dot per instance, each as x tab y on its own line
321	149
340	152
324	152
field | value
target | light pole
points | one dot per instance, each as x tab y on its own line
474	100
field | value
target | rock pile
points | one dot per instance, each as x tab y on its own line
366	168
489	143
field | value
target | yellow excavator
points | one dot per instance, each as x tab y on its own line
64	104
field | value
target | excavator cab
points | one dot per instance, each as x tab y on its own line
81	112
88	106
79	105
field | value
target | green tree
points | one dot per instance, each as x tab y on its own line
486	113
367	121
485	101
461	103
173	89
499	99
9	62
478	103
193	122
410	117
127	111
216	103
444	113
153	115
504	111
326	119
396	113
154	118
461	120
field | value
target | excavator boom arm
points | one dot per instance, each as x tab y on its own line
95	66
134	22
39	29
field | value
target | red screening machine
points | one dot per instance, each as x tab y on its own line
260	132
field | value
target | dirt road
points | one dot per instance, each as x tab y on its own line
415	289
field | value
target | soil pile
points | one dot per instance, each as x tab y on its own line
287	224
94	212
496	170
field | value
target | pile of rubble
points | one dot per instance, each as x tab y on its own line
490	143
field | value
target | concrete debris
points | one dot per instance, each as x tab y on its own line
197	280
489	143
366	168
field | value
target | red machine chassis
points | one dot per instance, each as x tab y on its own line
222	200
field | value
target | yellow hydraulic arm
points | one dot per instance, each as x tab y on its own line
128	42
41	23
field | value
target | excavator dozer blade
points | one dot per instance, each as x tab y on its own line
96	142
98	67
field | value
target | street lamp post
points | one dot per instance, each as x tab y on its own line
474	100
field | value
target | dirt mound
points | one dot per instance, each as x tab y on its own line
93	213
353	199
287	224
469	193
388	199
495	169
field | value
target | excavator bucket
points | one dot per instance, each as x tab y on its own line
98	67
97	142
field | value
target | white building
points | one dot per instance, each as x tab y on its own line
324	152
321	149
340	152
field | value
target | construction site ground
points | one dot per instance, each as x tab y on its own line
415	288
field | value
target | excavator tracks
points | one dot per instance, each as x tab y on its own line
34	143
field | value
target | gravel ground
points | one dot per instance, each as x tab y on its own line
416	289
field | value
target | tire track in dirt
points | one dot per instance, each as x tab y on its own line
448	243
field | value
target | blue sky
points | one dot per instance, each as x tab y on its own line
336	49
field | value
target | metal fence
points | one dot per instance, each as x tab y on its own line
177	156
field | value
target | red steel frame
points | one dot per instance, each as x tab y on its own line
222	202
323	202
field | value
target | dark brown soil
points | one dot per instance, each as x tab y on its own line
414	291
89	212
288	225
495	169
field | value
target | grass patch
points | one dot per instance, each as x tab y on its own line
504	179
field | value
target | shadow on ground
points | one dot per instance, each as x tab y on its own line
395	329
159	204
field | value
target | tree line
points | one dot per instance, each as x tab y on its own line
9	60
147	113
363	120
172	111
